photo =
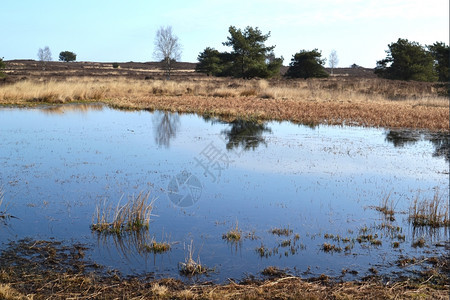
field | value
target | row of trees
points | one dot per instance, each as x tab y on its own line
407	60
251	58
45	55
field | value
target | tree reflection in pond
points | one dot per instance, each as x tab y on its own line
440	141
165	125
441	145
245	134
401	138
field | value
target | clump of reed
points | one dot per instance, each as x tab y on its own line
273	271
432	213
387	207
375	242
336	238
326	247
233	235
262	251
134	215
4	215
419	242
157	247
190	266
367	238
281	231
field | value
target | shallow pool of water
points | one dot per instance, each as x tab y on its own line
320	183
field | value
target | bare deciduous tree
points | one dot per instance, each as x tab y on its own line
44	54
333	60
167	48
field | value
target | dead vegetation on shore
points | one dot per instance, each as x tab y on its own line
337	101
51	270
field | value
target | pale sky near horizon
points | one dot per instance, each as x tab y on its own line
121	31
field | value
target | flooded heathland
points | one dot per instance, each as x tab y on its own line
184	196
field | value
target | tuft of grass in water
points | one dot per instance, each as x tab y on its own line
157	247
234	235
401	237
190	266
348	247
281	231
285	243
132	216
4	215
251	235
2	212
375	242
263	251
419	243
387	207
389	229
272	271
366	238
331	248
328	236
432	213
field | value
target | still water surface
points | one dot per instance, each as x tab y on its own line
206	176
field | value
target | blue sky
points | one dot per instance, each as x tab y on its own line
113	30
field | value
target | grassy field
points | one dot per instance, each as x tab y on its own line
337	101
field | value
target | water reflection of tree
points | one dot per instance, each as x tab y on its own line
248	135
166	126
401	138
440	141
441	146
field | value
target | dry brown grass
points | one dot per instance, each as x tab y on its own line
9	293
364	102
190	266
157	247
233	235
386	207
32	269
134	215
430	213
280	288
